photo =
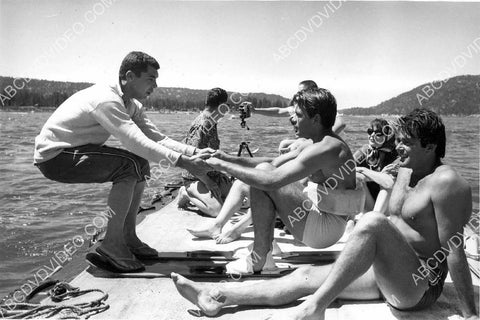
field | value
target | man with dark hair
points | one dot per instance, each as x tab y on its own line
70	148
289	111
215	97
427	127
207	191
396	258
275	188
307	84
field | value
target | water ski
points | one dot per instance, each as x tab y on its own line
290	257
191	269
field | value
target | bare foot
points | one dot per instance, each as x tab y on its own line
227	236
210	301
209	231
300	312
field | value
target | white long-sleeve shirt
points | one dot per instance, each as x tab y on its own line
92	115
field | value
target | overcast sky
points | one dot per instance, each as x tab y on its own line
364	52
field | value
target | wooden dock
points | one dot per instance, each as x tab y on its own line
165	230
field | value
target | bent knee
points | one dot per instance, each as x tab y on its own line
372	220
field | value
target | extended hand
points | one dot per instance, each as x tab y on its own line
220	155
195	166
215	163
391	169
205	151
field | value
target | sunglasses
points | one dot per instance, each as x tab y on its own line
293	121
377	132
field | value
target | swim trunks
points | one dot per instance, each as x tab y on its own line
436	279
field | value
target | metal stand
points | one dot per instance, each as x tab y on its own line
244	146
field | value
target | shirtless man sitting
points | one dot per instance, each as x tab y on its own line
275	189
394	258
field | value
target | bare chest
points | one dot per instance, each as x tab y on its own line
413	206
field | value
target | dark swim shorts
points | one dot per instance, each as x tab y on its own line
95	164
436	279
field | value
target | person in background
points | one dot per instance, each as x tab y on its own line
289	111
374	157
70	149
206	191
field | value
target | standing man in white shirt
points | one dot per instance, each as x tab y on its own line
70	149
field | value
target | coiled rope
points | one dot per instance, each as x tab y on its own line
62	291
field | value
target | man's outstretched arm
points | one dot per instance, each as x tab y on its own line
309	161
242	161
453	207
273	111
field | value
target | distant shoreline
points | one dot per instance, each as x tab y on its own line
27	110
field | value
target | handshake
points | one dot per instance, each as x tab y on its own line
203	161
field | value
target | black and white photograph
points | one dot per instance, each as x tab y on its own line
271	160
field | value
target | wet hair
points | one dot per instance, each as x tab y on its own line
425	125
308	84
318	101
216	97
137	62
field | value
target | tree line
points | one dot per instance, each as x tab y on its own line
40	95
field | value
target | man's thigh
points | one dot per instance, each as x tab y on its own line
95	164
292	205
396	266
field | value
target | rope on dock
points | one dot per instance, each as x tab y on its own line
61	291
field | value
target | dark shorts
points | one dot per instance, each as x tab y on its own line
436	279
95	164
222	180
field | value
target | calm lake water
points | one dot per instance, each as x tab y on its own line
38	217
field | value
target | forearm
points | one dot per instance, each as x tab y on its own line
246	161
381	203
272	112
460	274
177	146
384	180
278	161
